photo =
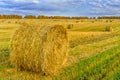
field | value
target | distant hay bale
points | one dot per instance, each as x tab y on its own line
110	29
92	21
9	22
77	21
107	21
39	49
16	22
111	20
70	26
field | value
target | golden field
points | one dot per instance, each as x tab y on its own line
93	51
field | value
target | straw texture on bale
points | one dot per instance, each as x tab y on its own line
39	49
110	29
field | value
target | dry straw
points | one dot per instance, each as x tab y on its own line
110	29
39	49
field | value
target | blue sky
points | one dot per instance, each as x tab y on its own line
61	7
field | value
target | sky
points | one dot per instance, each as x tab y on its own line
61	7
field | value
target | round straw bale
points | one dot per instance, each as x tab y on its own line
39	49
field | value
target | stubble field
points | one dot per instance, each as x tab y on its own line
94	52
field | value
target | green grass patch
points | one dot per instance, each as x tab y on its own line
117	76
86	69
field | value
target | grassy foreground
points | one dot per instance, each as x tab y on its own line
93	52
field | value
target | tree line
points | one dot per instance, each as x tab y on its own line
11	17
55	17
109	17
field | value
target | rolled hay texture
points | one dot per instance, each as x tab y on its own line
110	29
39	49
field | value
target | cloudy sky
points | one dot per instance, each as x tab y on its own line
61	7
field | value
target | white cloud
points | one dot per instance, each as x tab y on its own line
55	1
66	7
28	1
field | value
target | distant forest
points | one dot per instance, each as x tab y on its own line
55	17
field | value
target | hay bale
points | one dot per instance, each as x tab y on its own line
92	21
70	26
39	49
110	29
